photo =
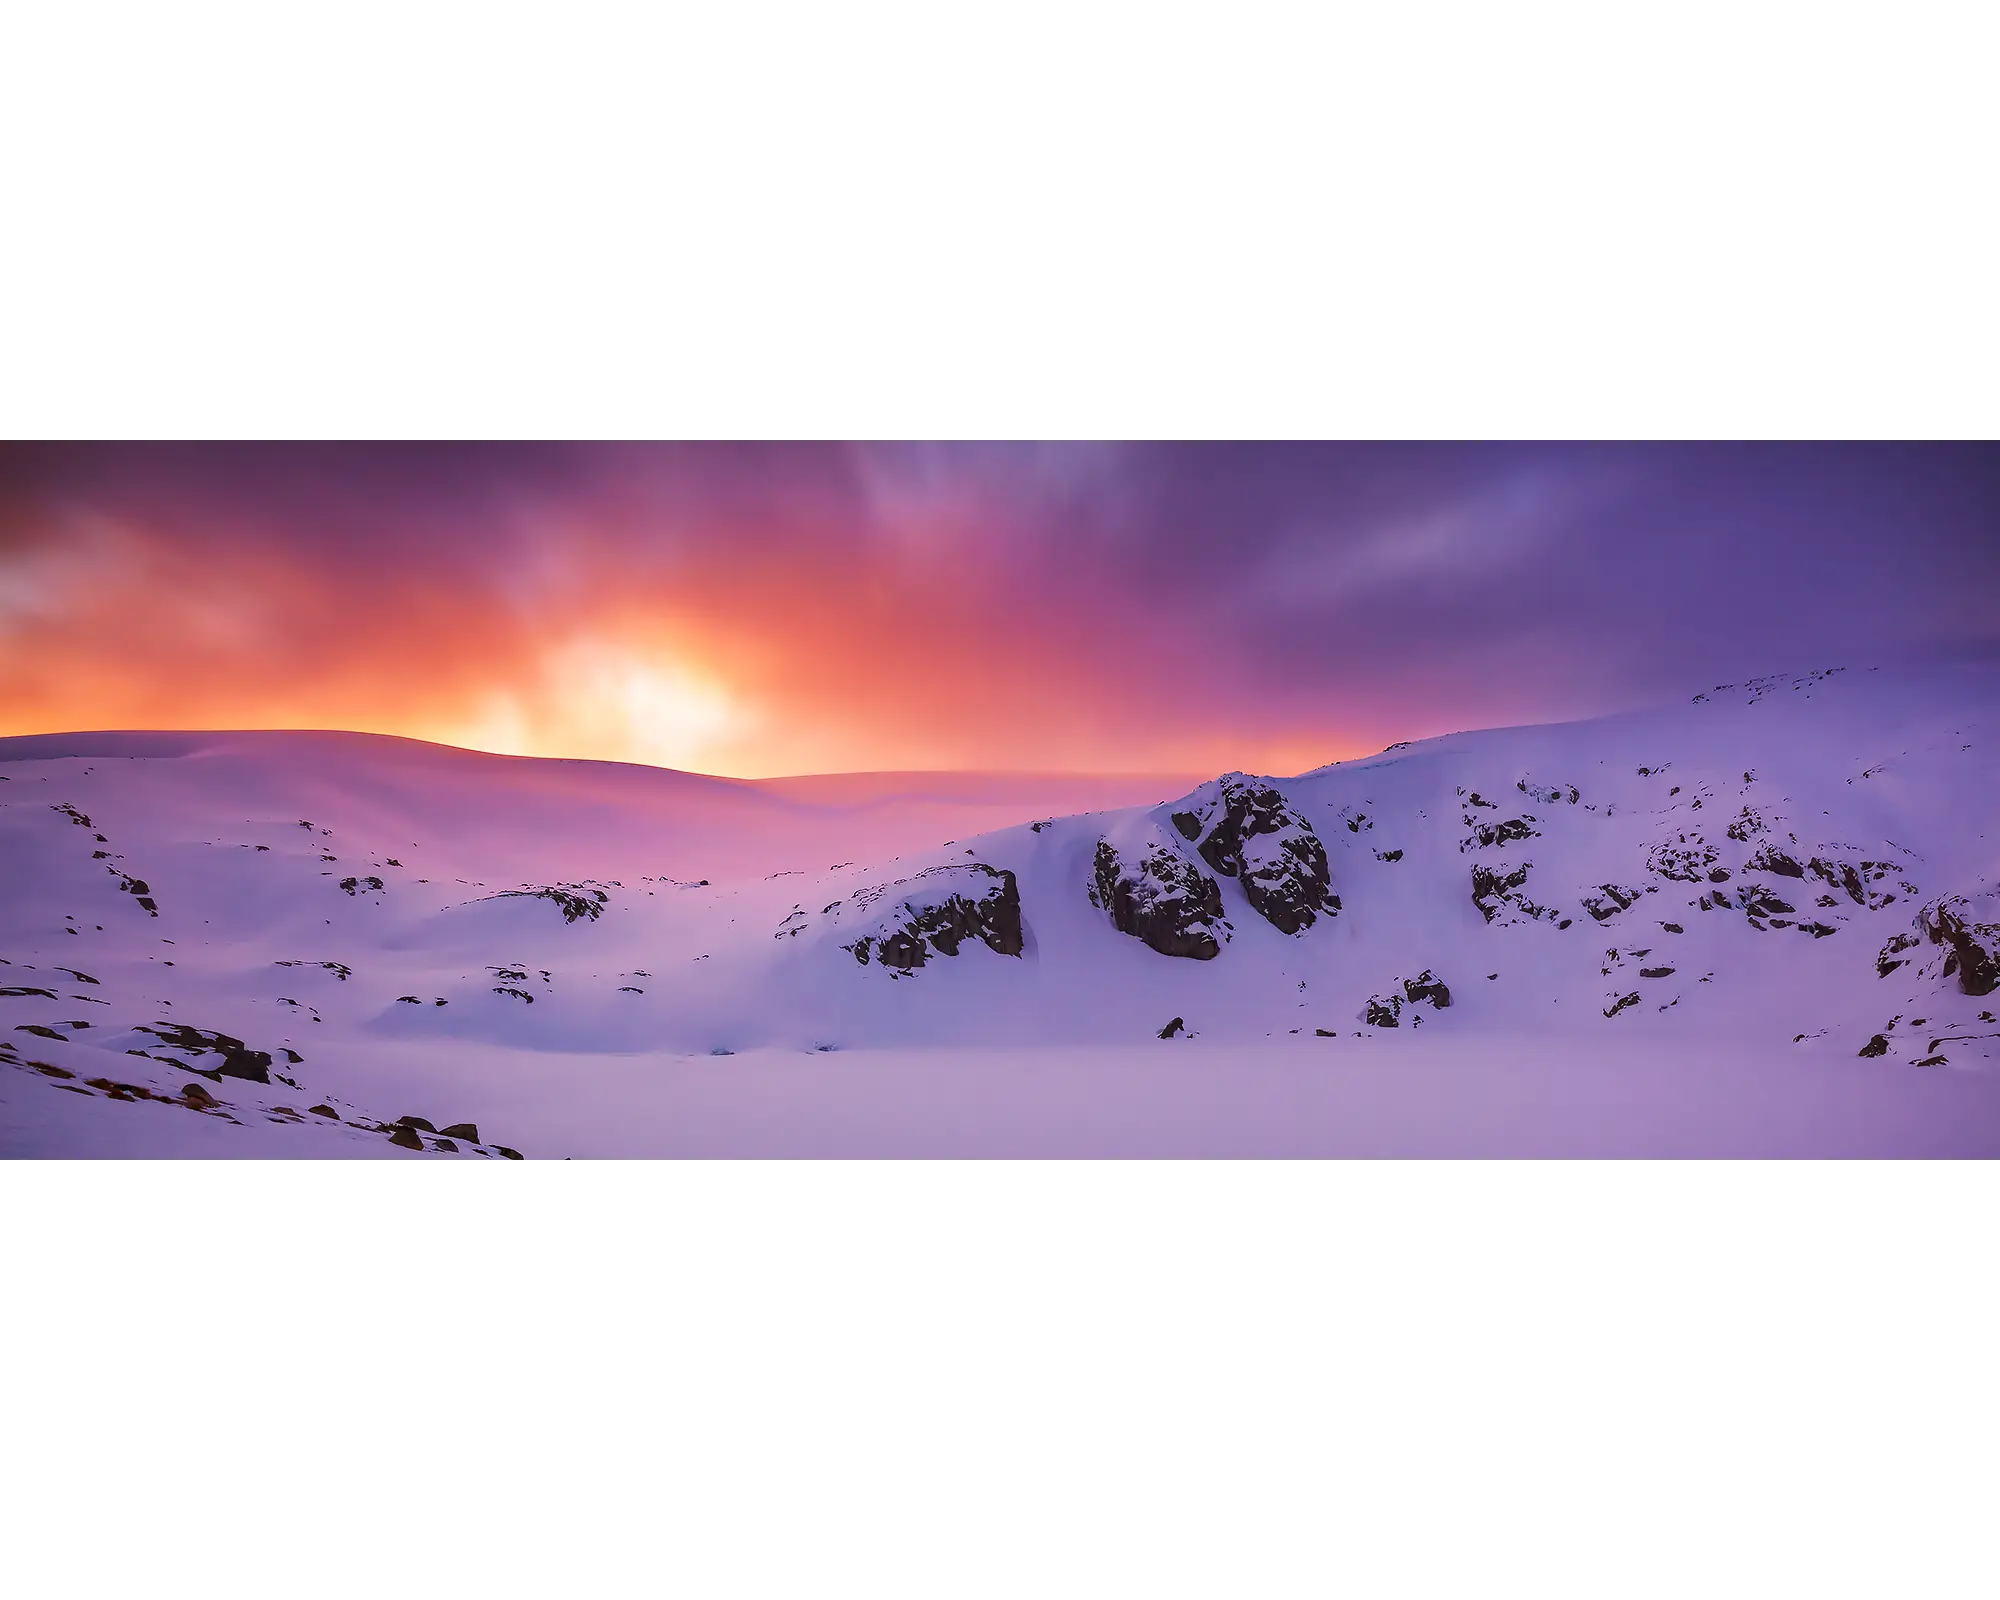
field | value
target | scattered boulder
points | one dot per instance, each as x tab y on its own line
195	1095
322	1111
510	1154
415	1122
1244	828
1877	1045
1621	1003
1172	1028
406	1138
1156	894
461	1130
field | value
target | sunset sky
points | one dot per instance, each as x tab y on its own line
764	609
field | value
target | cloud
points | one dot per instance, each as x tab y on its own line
767	608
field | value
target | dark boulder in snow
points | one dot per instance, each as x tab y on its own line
1428	989
1155	893
1877	1045
1244	828
1178	1025
937	911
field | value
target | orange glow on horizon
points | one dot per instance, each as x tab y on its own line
761	661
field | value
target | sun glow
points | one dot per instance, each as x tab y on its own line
612	703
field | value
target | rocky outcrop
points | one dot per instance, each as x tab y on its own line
1244	828
237	1060
1609	900
1972	948
1769	858
1491	835
578	902
1155	893
1891	955
936	912
1426	989
1686	858
1499	898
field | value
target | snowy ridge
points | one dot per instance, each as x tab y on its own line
1803	865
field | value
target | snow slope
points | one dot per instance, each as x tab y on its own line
1671	931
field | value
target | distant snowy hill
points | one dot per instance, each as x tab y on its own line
320	944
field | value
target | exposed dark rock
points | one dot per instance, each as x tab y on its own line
1496	894
446	1145
1244	828
1172	1028
1974	946
1686	858
1490	835
238	1059
195	1095
510	1154
415	1122
1388	855
1656	972
1160	897
1891	956
1932	1061
322	1111
1427	988
1383	1013
1773	860
1610	899
44	1032
578	902
461	1130
1876	1046
1759	901
940	909
518	994
1841	875
406	1138
1621	1003
1672	927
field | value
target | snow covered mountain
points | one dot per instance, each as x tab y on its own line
1779	902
